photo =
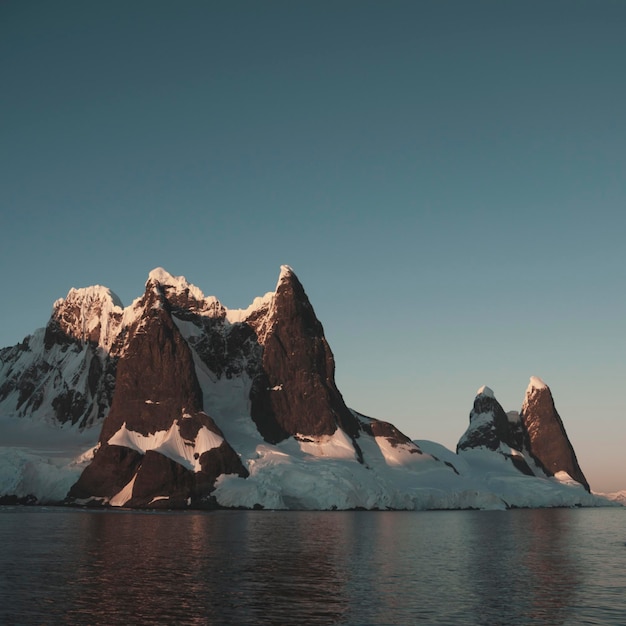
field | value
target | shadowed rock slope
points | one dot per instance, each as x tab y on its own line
534	440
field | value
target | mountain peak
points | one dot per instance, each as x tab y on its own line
86	314
179	284
486	391
286	276
160	275
536	383
95	293
549	443
285	270
488	425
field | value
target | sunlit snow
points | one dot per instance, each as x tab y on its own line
169	443
302	472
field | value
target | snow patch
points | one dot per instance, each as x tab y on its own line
536	383
235	316
169	443
485	391
335	446
178	283
126	493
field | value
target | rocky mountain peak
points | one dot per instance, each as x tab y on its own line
180	295
88	314
489	424
491	428
548	441
295	391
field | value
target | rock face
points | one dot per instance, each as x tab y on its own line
151	449
153	444
491	428
548	441
294	392
489	424
534	439
65	372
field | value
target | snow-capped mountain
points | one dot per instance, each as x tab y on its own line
198	405
65	372
548	441
534	439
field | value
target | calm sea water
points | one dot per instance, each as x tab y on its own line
559	566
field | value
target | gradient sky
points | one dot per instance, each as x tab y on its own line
446	178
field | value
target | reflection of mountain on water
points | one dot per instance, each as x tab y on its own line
551	562
551	566
230	568
521	567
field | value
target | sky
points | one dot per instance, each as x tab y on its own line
446	178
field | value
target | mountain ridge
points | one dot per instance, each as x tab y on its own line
203	406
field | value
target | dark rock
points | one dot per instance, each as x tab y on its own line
156	380
295	391
156	388
160	482
549	444
489	425
13	500
111	470
491	428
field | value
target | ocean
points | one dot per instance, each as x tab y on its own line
541	566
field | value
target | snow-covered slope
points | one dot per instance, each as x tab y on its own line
195	405
65	372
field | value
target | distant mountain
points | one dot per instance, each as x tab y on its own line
548	441
534	440
492	429
65	372
197	405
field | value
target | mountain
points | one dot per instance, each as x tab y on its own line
534	439
492	429
161	445
65	372
193	404
549	444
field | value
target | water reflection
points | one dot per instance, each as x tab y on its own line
520	567
236	567
231	567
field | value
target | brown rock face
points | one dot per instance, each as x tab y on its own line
156	387
111	469
378	428
156	379
295	391
549	444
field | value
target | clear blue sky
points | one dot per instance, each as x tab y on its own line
447	179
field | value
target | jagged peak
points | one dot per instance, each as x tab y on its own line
94	293
176	287
263	302
88	313
486	391
285	272
536	383
536	389
178	283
